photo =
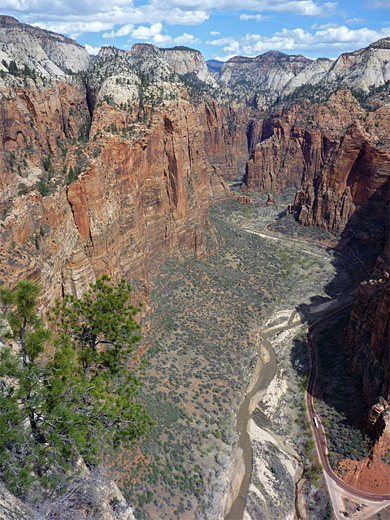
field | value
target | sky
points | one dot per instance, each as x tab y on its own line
220	29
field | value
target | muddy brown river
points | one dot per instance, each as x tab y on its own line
265	377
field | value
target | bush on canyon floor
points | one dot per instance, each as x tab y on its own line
70	394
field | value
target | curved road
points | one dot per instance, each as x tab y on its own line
319	433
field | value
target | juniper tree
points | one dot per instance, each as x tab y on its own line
70	394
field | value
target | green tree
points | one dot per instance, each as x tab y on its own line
71	175
103	330
68	394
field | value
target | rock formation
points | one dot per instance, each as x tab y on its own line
274	75
369	334
43	51
295	142
136	202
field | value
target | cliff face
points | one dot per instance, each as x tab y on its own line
368	332
226	136
45	52
296	142
139	200
35	121
355	177
274	75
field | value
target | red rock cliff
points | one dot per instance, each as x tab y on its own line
139	200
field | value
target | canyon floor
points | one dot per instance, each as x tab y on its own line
201	337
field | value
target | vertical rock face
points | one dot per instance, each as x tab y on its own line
295	143
356	176
33	121
184	61
368	332
44	51
226	136
138	201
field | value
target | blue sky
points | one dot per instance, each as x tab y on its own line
218	28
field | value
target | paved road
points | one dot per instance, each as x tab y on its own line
336	486
319	433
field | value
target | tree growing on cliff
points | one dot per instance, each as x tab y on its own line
68	394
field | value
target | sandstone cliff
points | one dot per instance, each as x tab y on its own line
37	120
297	141
45	52
139	198
369	334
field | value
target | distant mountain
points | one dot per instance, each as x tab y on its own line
43	51
259	81
215	65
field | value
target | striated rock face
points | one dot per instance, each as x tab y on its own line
355	176
35	122
183	61
362	69
273	75
261	78
44	51
138	201
226	136
296	142
368	332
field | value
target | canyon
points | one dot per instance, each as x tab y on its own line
116	164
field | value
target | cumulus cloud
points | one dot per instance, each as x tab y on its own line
185	38
257	17
92	50
325	38
144	33
155	34
354	20
122	31
75	17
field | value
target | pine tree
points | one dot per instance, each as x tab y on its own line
71	394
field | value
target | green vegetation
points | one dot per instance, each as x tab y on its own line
338	387
68	394
314	93
13	69
203	321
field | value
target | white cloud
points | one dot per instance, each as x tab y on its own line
144	33
324	26
155	34
325	39
122	31
214	33
92	50
74	28
185	38
354	20
257	17
220	41
161	39
75	17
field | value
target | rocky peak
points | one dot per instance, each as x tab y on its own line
8	21
43	51
183	60
362	69
383	43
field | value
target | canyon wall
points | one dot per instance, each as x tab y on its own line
337	155
368	332
297	141
137	200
